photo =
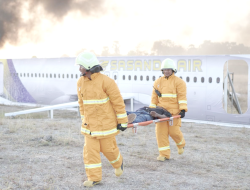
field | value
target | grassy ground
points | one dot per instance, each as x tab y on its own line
39	153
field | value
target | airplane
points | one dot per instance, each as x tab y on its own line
213	93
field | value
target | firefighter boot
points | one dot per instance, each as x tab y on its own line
90	183
119	171
180	150
162	158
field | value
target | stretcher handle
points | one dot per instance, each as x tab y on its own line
152	121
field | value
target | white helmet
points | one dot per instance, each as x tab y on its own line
87	60
168	64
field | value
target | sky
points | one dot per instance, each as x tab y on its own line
56	28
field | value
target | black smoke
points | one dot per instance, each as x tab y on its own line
12	23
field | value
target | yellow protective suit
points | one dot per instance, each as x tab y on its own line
173	90
102	108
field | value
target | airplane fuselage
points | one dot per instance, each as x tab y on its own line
53	81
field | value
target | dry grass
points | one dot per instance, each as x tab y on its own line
47	154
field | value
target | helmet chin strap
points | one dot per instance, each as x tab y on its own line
169	75
84	74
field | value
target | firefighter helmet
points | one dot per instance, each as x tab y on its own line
168	64
87	60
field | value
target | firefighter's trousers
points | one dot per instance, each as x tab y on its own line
92	157
163	130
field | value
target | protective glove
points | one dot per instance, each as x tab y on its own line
182	113
122	126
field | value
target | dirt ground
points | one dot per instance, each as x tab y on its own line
40	153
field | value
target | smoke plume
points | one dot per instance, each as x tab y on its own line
13	23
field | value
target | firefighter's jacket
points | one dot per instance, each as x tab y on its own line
101	106
173	94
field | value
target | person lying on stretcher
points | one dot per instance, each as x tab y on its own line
147	114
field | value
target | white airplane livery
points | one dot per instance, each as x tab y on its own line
212	91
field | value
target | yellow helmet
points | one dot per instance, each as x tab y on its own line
87	60
168	64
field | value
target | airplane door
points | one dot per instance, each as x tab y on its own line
1	78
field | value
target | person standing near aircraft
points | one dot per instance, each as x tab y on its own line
170	93
103	115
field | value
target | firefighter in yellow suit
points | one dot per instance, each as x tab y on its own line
103	115
170	93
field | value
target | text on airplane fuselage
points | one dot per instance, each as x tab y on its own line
190	65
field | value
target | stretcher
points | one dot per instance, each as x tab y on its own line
169	119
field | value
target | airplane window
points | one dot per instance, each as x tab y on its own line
76	76
123	77
147	78
218	80
46	75
50	75
210	79
39	75
24	74
27	74
153	78
35	75
129	77
187	79
67	75
181	77
72	76
20	74
202	79
43	75
195	79
31	75
115	77
58	75
54	75
63	76
17	74
141	77
135	77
